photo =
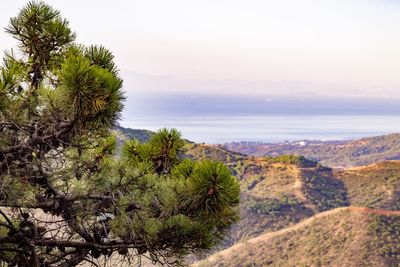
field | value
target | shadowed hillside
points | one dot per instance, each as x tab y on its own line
376	185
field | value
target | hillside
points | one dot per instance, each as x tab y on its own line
278	192
340	237
332	153
270	197
214	152
375	186
288	193
124	134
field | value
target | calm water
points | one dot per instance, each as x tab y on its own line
220	129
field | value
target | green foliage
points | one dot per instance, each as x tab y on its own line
272	205
100	56
292	159
94	90
184	169
213	187
41	32
194	200
163	149
58	103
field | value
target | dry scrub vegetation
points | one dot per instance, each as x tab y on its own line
283	192
340	237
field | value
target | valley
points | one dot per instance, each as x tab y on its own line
296	212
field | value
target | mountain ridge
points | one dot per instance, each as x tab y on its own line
242	250
330	153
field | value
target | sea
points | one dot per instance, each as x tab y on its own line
270	128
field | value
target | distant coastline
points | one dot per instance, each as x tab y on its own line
272	128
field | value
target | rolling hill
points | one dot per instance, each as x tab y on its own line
277	192
124	134
331	153
288	201
281	194
348	236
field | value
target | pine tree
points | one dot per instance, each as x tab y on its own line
65	197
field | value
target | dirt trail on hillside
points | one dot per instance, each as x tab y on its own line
298	185
394	196
370	166
298	190
265	237
375	211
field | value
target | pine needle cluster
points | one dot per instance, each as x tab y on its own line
65	197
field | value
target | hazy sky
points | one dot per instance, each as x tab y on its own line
349	42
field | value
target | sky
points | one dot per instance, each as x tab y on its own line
191	64
346	46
